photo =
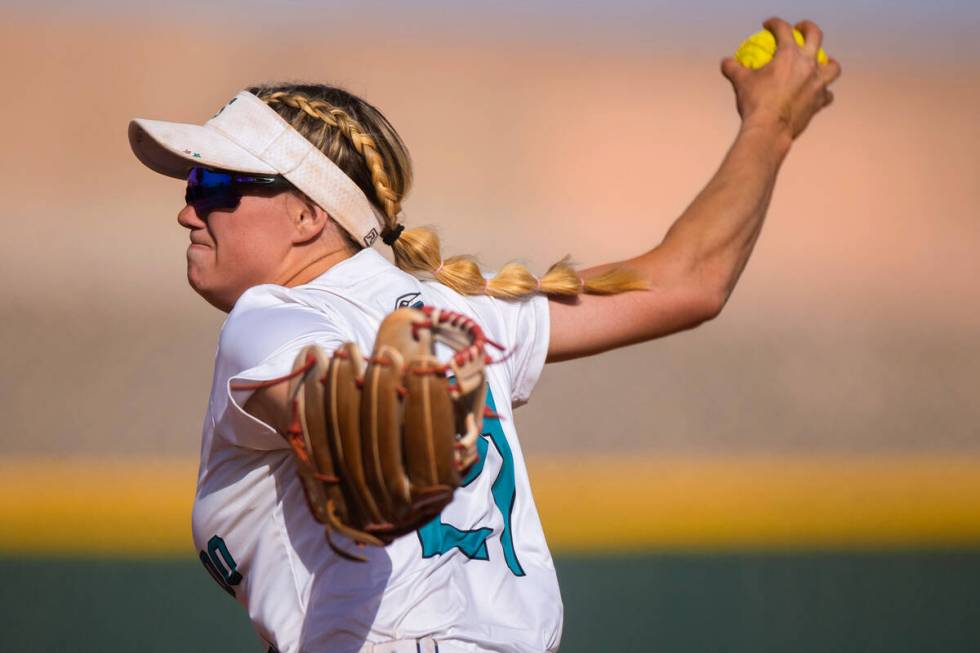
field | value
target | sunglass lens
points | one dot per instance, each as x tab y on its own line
208	191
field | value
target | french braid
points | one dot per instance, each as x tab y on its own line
360	140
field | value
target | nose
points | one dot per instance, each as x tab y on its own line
188	218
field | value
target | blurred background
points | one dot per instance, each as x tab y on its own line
802	472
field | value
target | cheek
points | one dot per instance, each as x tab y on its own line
248	251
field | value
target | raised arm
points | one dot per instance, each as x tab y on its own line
693	271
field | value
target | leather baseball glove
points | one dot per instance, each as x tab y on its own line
381	443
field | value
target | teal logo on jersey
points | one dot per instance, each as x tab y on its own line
438	537
219	563
409	300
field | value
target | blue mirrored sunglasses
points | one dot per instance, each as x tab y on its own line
209	190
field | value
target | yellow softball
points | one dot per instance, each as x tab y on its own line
758	49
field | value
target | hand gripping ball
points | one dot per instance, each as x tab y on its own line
757	50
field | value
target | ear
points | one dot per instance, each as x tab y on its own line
306	217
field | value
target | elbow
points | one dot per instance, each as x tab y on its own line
713	302
700	306
708	290
713	288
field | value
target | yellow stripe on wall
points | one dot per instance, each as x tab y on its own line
135	507
143	507
765	502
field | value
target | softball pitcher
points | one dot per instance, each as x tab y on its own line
289	190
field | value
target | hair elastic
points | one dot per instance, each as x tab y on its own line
436	271
389	236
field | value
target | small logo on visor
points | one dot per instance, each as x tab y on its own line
370	237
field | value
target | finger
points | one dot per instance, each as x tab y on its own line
812	36
733	70
828	97
782	31
829	72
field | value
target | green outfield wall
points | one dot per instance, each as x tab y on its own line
888	602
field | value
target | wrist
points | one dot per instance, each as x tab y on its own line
771	134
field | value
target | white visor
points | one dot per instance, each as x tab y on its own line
247	135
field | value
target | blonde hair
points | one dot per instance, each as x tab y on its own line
360	140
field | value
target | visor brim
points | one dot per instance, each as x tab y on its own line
173	148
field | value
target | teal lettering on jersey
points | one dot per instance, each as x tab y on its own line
221	565
504	488
438	537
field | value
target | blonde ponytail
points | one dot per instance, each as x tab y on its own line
361	141
419	250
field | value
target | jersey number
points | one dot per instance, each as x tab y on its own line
219	563
438	537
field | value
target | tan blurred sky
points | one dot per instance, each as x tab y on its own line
854	326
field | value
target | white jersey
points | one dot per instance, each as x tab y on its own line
479	576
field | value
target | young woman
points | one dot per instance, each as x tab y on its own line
289	188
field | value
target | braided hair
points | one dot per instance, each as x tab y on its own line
359	139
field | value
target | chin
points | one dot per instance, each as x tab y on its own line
209	293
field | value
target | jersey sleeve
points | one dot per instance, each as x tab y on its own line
259	343
526	331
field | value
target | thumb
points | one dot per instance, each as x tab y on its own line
732	69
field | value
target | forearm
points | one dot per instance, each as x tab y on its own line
714	237
691	274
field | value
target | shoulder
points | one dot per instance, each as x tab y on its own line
267	318
500	318
520	327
